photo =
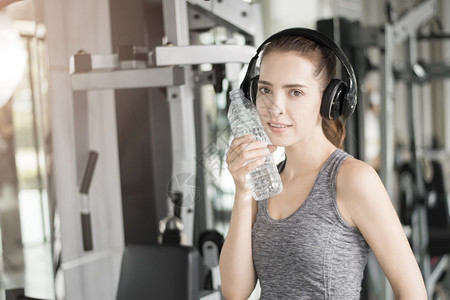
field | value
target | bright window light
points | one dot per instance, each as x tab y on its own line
13	58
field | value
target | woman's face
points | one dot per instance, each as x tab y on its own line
288	98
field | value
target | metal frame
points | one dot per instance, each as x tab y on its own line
105	74
405	31
401	31
201	54
387	112
128	79
182	124
243	16
408	25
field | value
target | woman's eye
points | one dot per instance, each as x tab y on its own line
264	90
295	93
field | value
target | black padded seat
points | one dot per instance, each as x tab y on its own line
163	272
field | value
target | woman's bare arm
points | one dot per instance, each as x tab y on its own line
237	272
362	194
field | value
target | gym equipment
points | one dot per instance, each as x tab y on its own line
86	229
170	230
162	272
423	193
97	72
438	213
18	294
428	218
153	85
339	98
210	244
356	40
159	272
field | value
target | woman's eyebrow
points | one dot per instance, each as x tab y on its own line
264	82
293	85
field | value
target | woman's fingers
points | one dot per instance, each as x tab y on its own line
247	168
243	152
238	144
272	148
245	155
247	158
244	144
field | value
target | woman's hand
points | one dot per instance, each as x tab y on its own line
237	273
244	155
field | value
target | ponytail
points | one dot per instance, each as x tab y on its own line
334	130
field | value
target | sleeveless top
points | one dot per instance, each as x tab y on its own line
313	253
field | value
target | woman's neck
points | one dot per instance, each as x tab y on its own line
303	158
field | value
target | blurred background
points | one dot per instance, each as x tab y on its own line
113	134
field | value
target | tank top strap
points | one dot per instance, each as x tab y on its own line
335	162
331	167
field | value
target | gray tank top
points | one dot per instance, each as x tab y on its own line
313	253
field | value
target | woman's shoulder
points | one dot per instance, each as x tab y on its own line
360	190
356	176
353	167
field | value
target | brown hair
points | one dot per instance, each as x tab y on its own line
325	62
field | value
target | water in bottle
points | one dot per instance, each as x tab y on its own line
265	180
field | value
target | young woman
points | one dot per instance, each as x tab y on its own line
311	241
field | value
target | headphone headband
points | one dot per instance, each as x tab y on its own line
350	95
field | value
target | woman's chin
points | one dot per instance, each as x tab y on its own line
277	141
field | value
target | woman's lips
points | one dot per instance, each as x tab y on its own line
278	127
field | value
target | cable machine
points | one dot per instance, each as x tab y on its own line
174	67
423	201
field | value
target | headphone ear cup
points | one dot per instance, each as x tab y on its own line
333	100
349	105
253	89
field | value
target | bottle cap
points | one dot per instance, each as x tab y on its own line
236	94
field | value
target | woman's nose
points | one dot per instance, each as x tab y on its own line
276	106
270	106
275	111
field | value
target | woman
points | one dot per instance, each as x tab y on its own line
311	241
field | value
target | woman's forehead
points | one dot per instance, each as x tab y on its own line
286	65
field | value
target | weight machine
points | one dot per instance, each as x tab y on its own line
427	210
174	67
424	201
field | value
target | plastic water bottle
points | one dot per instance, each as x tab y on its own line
265	180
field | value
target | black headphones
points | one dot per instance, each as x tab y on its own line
339	98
